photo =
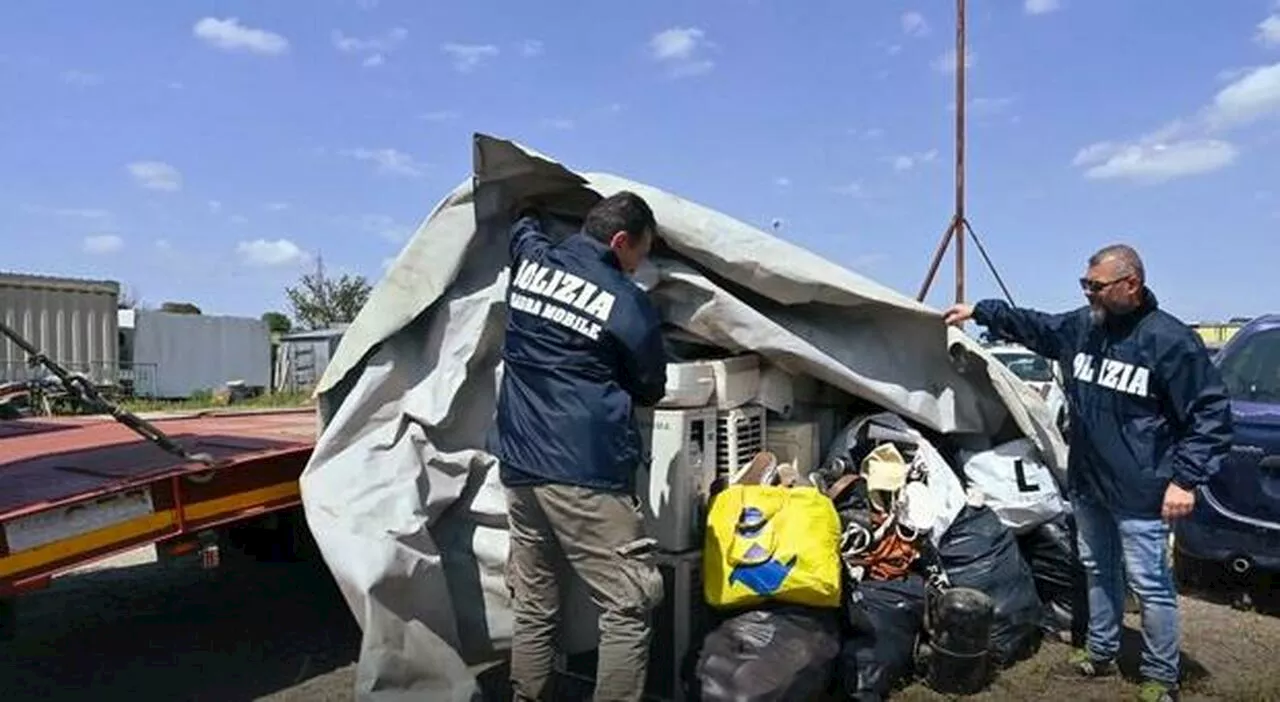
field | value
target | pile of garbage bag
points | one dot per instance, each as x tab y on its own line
899	558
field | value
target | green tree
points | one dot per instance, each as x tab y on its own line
129	298
320	302
278	322
180	308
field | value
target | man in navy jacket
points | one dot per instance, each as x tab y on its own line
1150	423
583	348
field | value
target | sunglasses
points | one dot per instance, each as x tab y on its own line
1097	286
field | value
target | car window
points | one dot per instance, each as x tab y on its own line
1028	366
1251	368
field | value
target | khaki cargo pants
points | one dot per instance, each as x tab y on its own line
559	530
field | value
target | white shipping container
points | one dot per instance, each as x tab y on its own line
71	321
188	353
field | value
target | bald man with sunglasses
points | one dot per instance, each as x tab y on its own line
1150	424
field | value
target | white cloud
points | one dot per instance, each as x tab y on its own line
156	175
467	56
865	262
373	49
870	133
78	212
906	162
854	190
81	79
531	48
229	35
385	227
261	252
1228	75
1269	31
782	181
439	116
215	206
1253	96
389	161
277	206
914	24
1152	160
681	50
946	63
1190	146
103	244
985	106
1041	7
676	43
560	123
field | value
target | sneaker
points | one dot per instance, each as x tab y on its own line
1081	665
1154	691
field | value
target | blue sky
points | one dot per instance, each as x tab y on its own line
203	151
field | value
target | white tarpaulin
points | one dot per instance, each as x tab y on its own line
405	502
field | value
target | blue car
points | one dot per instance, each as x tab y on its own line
1236	521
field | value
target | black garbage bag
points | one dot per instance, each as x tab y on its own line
1050	551
885	618
980	552
777	654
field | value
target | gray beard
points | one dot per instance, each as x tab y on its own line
1097	315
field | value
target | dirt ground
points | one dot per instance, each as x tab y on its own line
280	632
1227	655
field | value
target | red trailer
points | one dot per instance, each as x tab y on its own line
77	490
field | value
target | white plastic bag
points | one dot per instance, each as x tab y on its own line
1015	484
947	496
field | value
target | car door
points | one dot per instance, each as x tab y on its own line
1248	486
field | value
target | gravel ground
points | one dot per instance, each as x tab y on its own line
280	632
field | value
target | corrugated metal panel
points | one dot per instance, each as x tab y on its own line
303	358
72	321
194	352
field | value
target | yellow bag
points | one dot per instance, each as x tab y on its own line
767	542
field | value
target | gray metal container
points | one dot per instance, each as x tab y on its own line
188	353
72	321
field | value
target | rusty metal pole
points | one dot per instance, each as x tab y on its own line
960	222
958	226
938	253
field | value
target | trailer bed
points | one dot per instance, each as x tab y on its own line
73	490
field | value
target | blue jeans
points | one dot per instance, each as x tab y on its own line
1114	550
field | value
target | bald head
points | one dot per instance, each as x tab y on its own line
1120	260
1115	281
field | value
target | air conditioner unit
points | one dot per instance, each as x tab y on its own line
674	486
795	442
740	435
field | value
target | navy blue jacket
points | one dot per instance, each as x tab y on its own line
1148	406
583	346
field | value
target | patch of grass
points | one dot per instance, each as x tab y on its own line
206	401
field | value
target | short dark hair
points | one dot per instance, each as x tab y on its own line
1126	255
624	211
